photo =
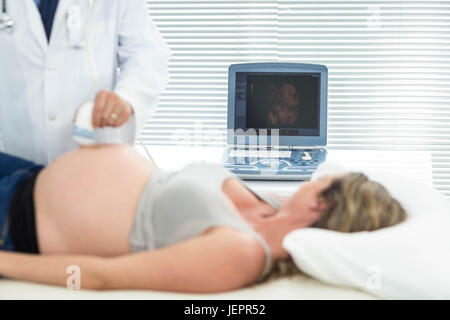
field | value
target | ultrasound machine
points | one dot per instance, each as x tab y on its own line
277	120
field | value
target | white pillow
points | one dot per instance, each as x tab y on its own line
408	261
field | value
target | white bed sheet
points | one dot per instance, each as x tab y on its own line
295	288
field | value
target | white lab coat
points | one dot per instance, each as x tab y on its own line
42	85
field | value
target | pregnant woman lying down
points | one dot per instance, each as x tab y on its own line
129	225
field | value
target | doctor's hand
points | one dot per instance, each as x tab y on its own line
110	110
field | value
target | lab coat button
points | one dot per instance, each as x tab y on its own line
52	116
51	67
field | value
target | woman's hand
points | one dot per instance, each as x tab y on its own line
110	110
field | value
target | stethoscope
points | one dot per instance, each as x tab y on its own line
76	34
6	23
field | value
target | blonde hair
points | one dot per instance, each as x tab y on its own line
354	203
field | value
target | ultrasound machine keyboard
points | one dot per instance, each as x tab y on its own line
298	164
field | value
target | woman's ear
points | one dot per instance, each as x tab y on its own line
319	204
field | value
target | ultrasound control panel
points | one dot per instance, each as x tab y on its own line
280	164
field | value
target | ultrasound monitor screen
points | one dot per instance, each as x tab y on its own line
287	102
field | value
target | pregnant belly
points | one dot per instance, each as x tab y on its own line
87	199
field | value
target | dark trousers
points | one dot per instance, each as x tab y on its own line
13	170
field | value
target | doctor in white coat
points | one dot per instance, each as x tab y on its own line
105	51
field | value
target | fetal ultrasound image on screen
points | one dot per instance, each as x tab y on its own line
282	101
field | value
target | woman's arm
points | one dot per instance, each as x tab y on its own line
52	269
221	259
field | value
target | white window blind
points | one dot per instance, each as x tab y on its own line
388	61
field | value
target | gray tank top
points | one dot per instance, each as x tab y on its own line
179	205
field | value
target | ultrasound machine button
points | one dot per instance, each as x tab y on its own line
307	156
